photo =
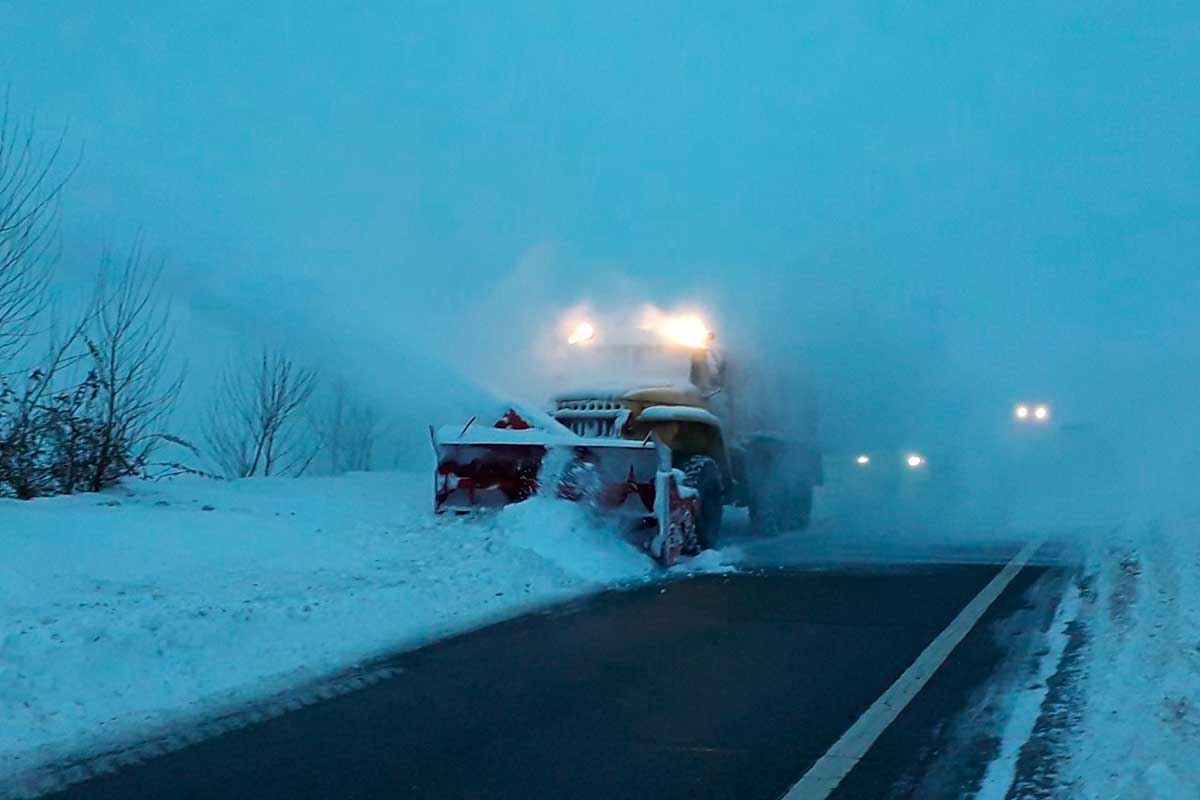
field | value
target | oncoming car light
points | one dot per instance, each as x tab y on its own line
863	460
1027	412
915	460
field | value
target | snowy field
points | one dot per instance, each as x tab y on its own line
1137	734
158	603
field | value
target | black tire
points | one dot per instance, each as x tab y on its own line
802	504
764	494
764	513
775	508
703	475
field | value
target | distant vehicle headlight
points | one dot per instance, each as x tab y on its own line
863	460
915	461
1026	412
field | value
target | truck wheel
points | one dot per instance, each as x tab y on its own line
774	509
702	474
764	514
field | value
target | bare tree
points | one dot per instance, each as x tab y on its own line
30	183
59	431
253	427
128	339
348	429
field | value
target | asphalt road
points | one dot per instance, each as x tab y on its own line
709	687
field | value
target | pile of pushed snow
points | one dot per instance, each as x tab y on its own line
567	535
131	610
1138	732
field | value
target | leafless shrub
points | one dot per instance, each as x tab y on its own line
41	425
362	430
349	429
254	426
96	407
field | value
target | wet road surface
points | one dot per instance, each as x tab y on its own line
707	687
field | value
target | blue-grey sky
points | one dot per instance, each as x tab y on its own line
923	199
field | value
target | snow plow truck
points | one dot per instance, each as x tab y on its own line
662	437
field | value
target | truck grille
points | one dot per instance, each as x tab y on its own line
589	405
592	428
593	419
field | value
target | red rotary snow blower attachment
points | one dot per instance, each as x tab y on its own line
481	466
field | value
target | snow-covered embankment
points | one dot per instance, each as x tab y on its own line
1137	733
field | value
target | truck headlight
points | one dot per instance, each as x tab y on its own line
686	330
583	333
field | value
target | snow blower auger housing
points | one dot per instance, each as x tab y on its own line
493	466
663	451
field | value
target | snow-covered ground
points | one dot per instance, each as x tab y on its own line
160	602
1110	704
1137	734
128	612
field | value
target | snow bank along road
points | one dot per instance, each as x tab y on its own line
731	685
